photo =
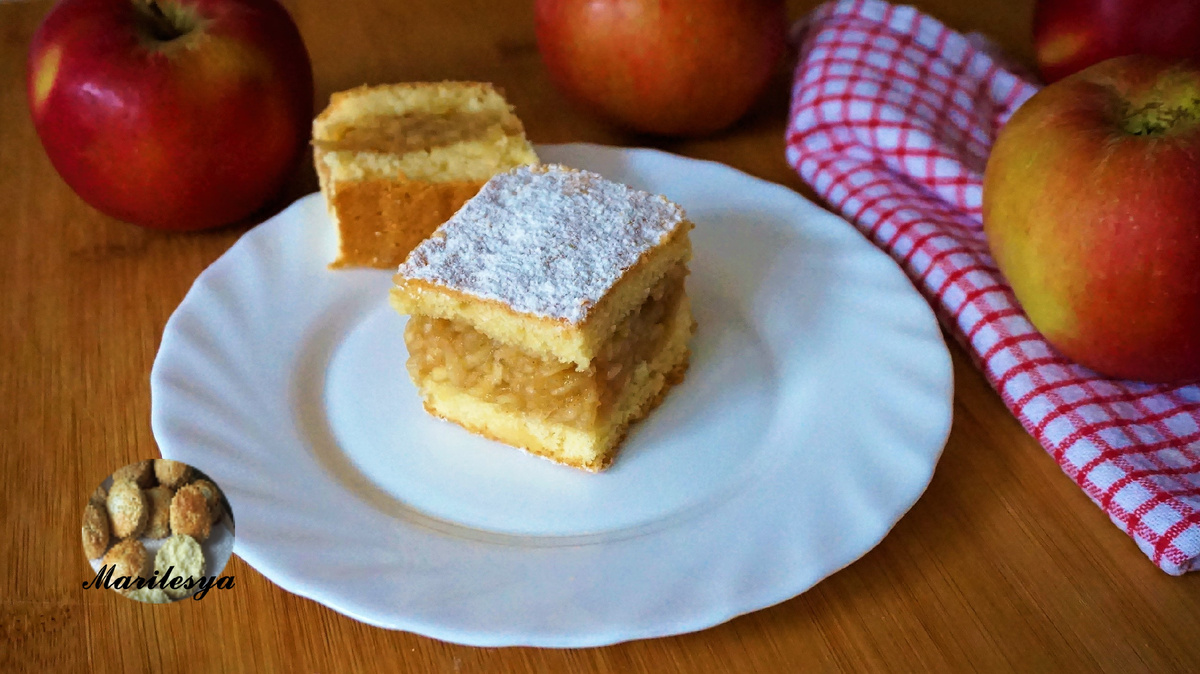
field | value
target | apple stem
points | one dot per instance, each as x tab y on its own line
160	25
1157	118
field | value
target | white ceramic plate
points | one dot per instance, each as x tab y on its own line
815	409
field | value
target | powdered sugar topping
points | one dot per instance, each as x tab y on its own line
545	240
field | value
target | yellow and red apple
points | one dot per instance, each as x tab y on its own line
1070	35
675	67
1091	206
171	114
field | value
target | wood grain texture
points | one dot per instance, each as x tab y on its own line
1003	564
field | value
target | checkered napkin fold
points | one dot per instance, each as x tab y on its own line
892	116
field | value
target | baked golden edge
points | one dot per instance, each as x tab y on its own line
337	113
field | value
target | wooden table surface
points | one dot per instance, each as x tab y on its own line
1002	565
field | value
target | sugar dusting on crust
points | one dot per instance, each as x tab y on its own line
545	240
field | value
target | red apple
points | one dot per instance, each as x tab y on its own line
676	67
1091	206
175	114
1070	35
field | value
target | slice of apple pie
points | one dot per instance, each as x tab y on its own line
395	161
550	312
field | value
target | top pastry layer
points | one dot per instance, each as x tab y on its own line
568	251
430	131
547	241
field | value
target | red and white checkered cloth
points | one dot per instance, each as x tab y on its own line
892	117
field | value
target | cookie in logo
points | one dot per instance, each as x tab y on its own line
158	531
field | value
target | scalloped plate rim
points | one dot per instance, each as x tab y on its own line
717	613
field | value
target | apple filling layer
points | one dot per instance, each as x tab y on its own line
453	353
413	132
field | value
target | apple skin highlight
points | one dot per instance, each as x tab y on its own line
188	119
1070	35
1090	210
669	67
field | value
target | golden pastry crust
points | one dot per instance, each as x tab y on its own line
96	532
400	119
127	509
158	523
140	473
190	514
173	474
129	558
216	509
